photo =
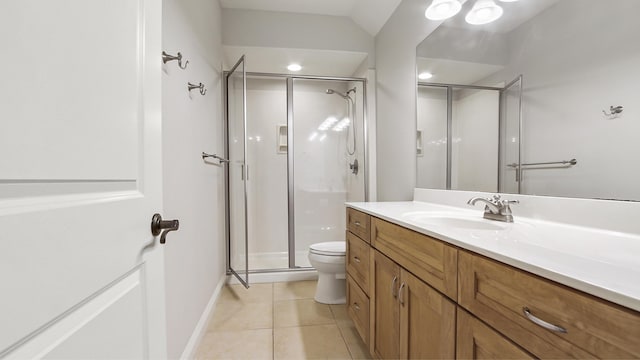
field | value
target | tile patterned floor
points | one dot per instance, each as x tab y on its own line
279	321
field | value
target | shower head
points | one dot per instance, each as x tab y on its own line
331	91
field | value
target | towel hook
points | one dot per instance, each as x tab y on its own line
166	58
614	111
219	158
200	86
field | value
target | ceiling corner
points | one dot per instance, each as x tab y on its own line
371	15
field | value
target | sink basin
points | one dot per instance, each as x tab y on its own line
461	223
454	221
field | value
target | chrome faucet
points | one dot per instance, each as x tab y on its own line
495	209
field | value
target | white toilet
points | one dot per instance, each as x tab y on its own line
329	259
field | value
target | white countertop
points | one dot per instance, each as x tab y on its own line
600	262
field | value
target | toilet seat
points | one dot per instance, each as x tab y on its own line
331	248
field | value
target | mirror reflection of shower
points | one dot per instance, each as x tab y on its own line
351	115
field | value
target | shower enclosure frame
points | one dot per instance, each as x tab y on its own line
501	121
290	159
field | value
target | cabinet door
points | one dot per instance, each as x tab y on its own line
427	321
387	318
476	340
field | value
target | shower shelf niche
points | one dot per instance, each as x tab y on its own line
281	143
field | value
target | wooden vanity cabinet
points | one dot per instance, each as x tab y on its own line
358	224
432	260
358	308
411	319
427	320
358	257
475	340
570	324
386	312
426	299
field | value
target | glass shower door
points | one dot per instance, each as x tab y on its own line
510	173
322	149
237	172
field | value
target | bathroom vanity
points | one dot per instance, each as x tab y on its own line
433	281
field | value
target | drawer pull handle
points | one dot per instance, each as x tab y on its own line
393	286
541	322
401	293
357	223
356	306
356	259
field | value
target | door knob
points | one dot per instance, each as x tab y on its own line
157	225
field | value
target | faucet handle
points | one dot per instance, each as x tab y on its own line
507	202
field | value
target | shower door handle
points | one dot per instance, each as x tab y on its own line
244	172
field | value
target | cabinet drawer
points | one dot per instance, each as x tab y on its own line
433	261
358	261
499	294
358	308
476	340
358	223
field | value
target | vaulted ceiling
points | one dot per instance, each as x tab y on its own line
371	15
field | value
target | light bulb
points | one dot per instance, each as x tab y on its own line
294	67
484	12
425	75
442	9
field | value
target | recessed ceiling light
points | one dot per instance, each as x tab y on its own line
294	67
484	12
425	75
442	9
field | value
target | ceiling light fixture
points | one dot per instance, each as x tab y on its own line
484	12
425	75
294	67
442	9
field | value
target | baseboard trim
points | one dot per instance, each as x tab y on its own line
200	329
280	276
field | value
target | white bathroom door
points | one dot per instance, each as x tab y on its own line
81	275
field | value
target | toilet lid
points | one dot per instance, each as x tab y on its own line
331	248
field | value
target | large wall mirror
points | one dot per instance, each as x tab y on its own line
543	101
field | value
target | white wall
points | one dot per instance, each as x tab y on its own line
300	31
396	98
577	61
193	191
488	47
371	134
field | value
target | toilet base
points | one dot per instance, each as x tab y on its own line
331	289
